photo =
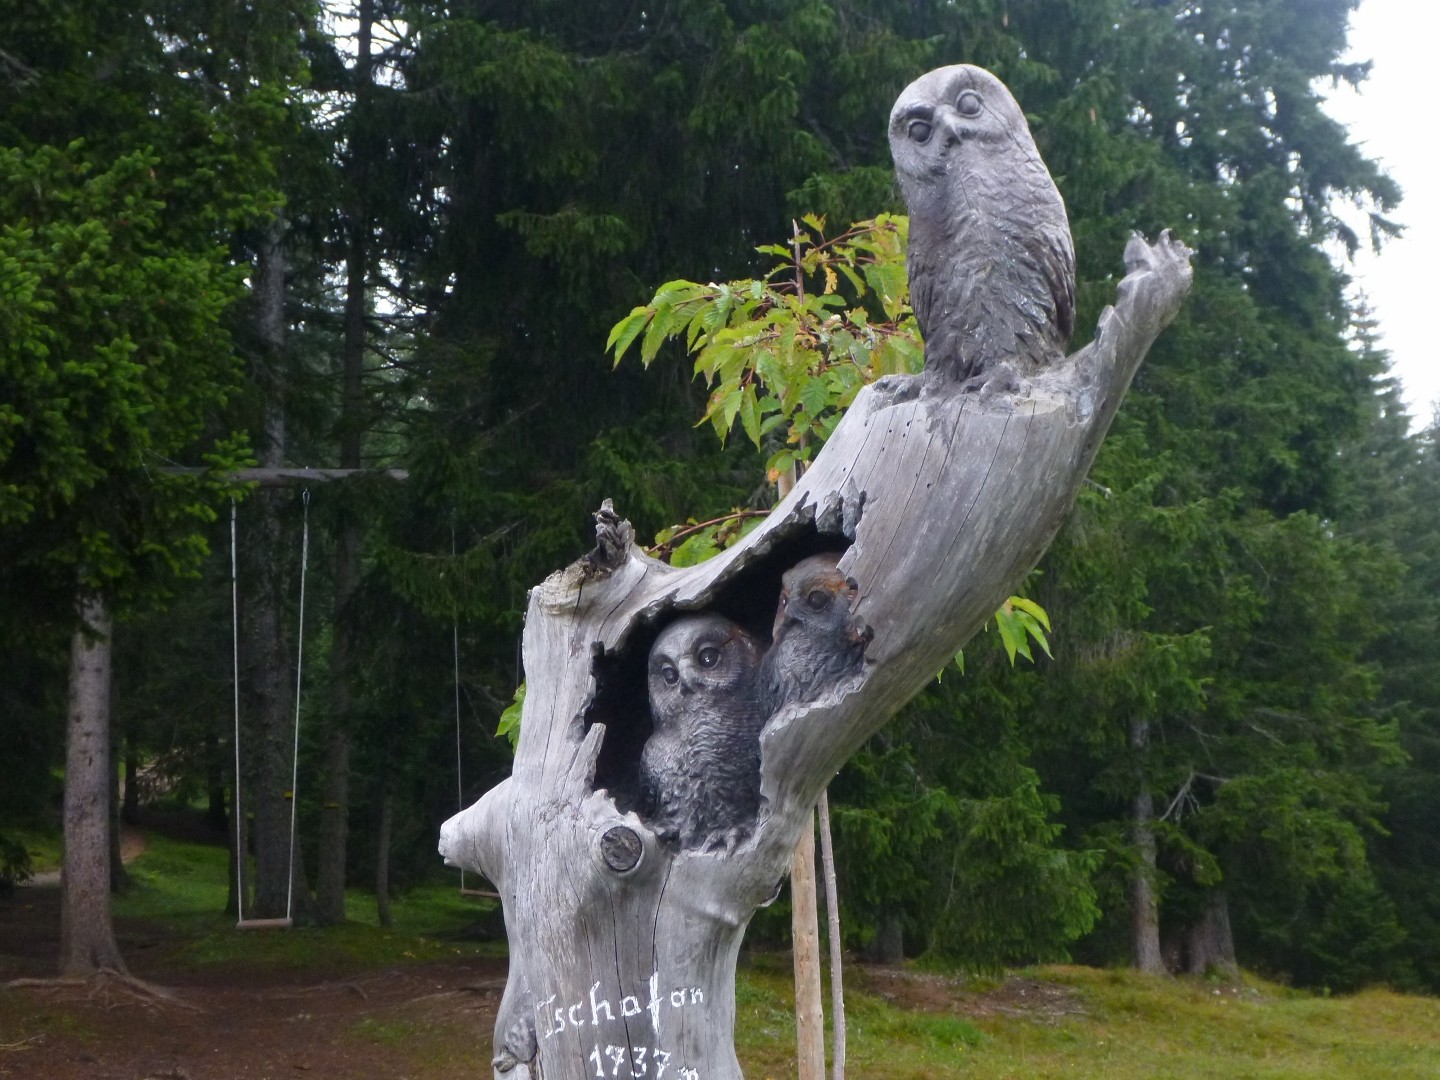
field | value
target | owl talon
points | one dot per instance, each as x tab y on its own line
897	388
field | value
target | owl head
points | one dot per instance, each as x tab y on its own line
959	115
697	659
816	598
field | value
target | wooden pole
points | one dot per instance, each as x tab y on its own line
273	477
809	1012
832	913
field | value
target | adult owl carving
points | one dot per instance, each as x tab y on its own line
817	638
992	268
700	769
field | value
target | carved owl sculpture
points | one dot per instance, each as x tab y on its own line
817	639
700	768
992	268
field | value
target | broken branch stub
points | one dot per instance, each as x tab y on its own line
927	507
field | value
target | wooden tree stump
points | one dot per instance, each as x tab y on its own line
942	495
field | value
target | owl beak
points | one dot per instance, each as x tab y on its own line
952	127
780	617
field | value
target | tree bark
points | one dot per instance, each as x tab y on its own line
87	936
1144	903
832	913
805	933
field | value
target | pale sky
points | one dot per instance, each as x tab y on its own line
1392	119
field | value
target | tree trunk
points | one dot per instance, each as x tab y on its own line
943	497
805	934
87	937
119	878
888	947
1209	943
832	913
335	809
269	696
382	857
1144	903
130	807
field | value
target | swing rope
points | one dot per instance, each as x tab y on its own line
241	922
235	684
455	651
299	671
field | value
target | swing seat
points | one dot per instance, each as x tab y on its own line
264	924
480	892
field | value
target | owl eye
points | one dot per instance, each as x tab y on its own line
709	656
920	131
669	674
968	103
818	599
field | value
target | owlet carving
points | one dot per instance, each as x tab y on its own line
700	769
817	639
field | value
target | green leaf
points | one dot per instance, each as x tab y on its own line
1031	608
750	413
509	725
626	330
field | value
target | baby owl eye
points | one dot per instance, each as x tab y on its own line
818	599
670	675
709	656
968	103
920	131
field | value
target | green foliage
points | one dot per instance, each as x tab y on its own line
112	358
791	349
509	726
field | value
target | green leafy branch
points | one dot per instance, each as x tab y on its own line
789	351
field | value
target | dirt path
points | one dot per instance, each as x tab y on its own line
432	1020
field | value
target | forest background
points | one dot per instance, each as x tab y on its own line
397	235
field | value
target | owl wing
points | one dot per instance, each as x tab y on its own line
1056	257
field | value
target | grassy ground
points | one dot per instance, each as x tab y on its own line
1070	1022
180	888
1110	1025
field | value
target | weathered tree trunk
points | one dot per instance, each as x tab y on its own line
1144	903
87	936
943	497
805	940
